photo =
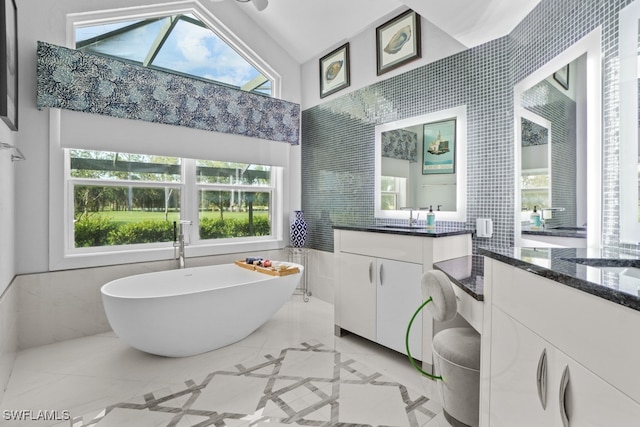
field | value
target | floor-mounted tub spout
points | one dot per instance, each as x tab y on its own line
179	241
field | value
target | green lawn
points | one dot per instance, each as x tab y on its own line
125	217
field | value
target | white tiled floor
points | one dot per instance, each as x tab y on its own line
88	374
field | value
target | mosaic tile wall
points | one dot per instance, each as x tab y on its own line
338	136
80	81
547	101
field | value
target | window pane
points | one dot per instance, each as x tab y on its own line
196	50
130	40
535	181
107	215
225	214
535	192
124	166
389	201
214	172
535	198
178	43
86	33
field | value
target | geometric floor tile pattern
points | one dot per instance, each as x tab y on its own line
306	385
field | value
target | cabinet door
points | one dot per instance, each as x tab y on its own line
521	380
399	295
585	400
573	395
357	287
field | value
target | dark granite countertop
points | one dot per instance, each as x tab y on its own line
575	232
467	272
608	273
405	230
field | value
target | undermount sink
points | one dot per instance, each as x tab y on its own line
606	262
404	227
627	270
623	271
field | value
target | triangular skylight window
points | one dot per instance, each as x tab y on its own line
180	44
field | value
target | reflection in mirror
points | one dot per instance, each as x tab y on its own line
404	181
535	166
553	154
421	162
557	125
629	50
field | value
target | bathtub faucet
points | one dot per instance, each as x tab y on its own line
179	241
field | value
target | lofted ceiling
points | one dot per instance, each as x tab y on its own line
309	28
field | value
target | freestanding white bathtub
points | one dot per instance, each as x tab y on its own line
190	311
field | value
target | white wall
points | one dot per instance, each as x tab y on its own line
46	21
8	300
436	45
7	214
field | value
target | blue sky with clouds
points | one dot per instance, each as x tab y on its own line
189	49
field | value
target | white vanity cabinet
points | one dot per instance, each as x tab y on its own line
378	285
358	275
519	376
528	372
590	375
399	294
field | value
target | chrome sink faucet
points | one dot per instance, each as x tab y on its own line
412	221
543	215
179	241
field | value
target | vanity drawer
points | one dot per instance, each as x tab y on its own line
599	334
382	245
469	308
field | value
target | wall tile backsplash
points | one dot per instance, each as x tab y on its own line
338	135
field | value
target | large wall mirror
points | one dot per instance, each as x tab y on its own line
557	130
421	162
553	152
629	124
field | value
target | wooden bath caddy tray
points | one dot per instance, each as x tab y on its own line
272	271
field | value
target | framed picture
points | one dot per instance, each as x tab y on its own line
398	41
439	147
334	71
562	77
9	64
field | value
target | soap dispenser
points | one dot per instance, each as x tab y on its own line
431	219
535	221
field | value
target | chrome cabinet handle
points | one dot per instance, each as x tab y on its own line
370	271
381	273
564	384
541	379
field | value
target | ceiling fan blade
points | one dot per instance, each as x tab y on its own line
260	4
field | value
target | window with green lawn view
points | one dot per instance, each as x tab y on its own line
535	189
233	199
128	199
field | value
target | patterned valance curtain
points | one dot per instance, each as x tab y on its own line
533	133
400	144
79	81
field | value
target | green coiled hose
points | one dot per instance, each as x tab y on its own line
413	362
